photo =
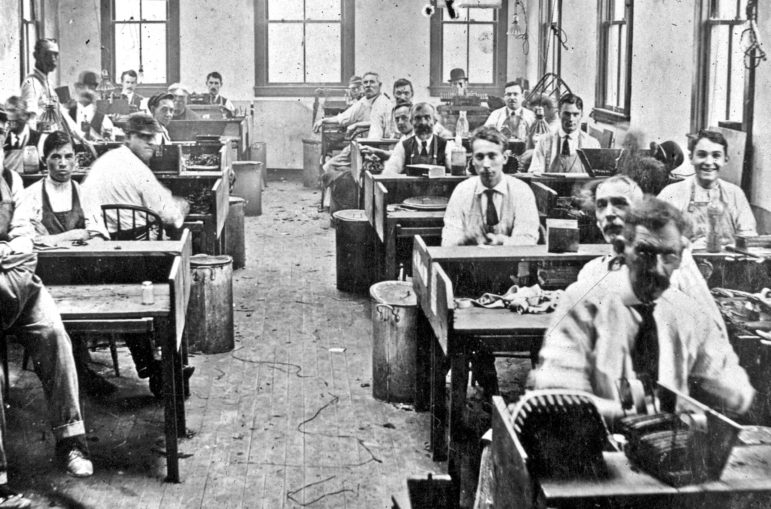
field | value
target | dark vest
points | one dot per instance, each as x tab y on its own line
412	147
96	122
60	222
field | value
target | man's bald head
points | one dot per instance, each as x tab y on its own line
612	200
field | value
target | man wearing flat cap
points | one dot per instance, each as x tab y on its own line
122	176
181	111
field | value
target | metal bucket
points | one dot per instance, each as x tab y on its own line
354	246
210	311
311	162
249	185
234	233
394	341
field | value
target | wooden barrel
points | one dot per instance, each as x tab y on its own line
311	162
394	341
354	246
209	324
234	233
248	185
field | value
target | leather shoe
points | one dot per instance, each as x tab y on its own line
10	499
77	464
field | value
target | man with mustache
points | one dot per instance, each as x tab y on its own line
692	196
423	147
513	118
632	324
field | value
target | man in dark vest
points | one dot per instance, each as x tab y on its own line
128	81
214	84
423	147
91	124
20	137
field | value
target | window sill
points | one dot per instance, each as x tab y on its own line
604	116
446	90
333	89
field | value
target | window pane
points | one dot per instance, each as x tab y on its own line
481	14
454	48
726	9
322	9
154	10
462	15
736	108
611	63
285	52
127	10
26	10
621	69
153	50
285	9
718	74
30	33
619	10
481	53
322	55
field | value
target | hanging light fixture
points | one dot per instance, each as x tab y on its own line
106	87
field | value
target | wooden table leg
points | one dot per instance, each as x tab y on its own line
438	405
390	251
458	384
170	408
424	335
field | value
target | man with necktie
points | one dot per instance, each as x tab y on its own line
632	324
513	120
556	153
490	208
423	147
20	136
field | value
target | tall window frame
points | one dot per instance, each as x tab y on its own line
438	74
264	87
31	30
549	37
614	61
722	94
108	35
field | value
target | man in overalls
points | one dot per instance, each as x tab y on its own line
557	153
692	196
423	147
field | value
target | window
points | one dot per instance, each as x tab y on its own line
142	35
720	96
302	45
614	61
31	16
550	37
475	42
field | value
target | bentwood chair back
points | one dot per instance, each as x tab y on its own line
145	224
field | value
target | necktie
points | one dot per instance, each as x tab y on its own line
645	354
565	147
424	150
491	215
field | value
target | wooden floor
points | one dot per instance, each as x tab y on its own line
285	420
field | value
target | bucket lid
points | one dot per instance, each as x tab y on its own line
395	293
204	260
236	199
426	202
350	215
311	141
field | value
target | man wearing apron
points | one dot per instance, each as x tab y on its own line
423	147
557	153
692	196
21	141
513	120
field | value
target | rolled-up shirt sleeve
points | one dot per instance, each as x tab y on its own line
453	233
395	163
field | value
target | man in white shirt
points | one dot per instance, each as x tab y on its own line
556	153
128	81
490	208
214	84
36	90
90	123
20	137
513	120
161	107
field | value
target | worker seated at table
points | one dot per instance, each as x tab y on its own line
423	147
128	82
90	123
214	84
28	313
355	90
513	120
611	201
11	179
556	153
490	208
181	111
705	192
632	324
161	107
401	116
403	92
50	211
20	135
121	176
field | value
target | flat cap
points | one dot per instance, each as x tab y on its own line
179	87
142	123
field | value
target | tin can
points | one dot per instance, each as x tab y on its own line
147	293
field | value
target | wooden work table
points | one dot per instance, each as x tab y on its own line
746	477
98	288
236	128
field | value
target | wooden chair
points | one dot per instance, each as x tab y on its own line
151	227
